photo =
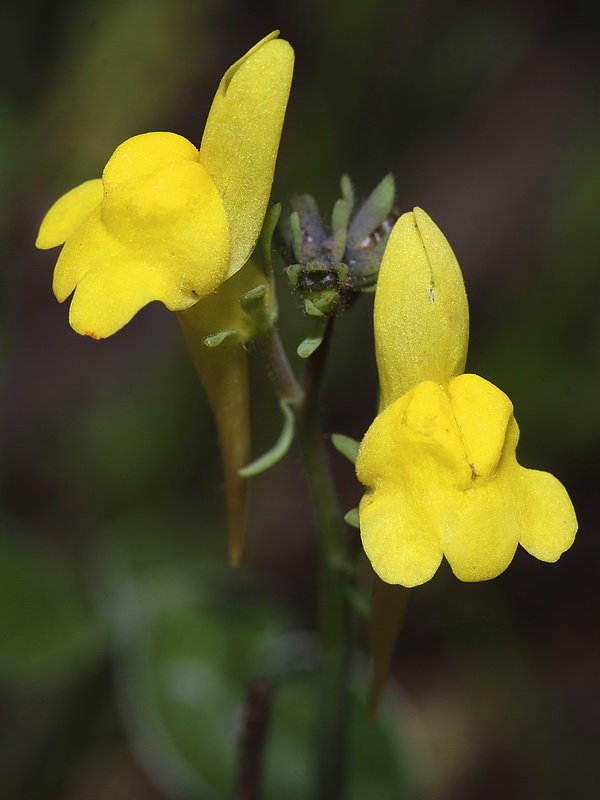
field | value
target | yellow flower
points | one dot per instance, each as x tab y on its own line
167	221
439	461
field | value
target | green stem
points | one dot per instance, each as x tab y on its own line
287	386
333	608
334	617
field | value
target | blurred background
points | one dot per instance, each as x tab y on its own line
126	643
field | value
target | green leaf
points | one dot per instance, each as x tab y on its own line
308	346
185	660
379	763
45	629
279	449
345	445
223	337
186	677
351	518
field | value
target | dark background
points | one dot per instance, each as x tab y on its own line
488	115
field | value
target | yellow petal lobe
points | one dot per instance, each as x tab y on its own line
68	212
442	477
241	139
421	315
141	156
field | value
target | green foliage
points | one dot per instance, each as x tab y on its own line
377	758
345	445
46	631
279	449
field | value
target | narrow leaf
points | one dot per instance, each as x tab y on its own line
279	449
223	337
351	518
345	445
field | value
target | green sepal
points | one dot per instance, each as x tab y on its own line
351	518
347	190
312	233
376	208
312	309
340	216
341	270
324	304
345	445
296	235
338	244
279	449
293	273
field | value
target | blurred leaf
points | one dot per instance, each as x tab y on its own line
184	681
45	630
185	657
379	764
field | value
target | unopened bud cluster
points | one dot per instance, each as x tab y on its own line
330	268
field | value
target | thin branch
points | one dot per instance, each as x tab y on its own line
254	726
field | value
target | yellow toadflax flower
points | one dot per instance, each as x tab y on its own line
167	221
439	460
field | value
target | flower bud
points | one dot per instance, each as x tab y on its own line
421	312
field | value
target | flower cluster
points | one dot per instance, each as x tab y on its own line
172	222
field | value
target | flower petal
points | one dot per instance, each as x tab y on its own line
442	476
166	232
106	299
242	134
421	314
547	518
398	536
482	413
399	461
68	212
142	155
479	528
